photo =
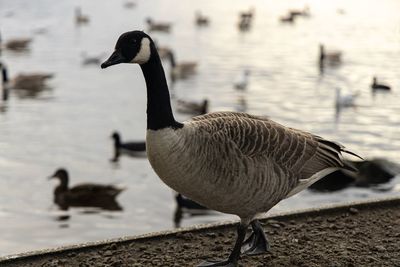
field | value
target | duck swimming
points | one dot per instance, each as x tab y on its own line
135	149
84	195
379	86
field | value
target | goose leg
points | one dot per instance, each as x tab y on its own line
257	243
233	258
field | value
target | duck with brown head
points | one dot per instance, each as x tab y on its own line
84	195
227	161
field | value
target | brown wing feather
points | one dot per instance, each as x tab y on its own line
301	153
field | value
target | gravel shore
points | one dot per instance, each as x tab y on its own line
365	234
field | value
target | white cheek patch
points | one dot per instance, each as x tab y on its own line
144	53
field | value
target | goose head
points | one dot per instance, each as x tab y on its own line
62	175
132	47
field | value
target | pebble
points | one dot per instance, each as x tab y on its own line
275	225
380	248
211	235
353	210
113	246
142	248
217	248
107	253
331	219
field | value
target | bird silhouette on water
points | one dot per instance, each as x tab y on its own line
134	149
84	195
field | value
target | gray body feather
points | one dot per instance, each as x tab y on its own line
238	163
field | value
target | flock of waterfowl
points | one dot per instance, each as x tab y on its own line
231	162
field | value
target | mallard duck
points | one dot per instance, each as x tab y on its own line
331	57
84	195
193	108
158	26
201	20
231	162
79	17
30	81
379	86
181	70
135	149
18	44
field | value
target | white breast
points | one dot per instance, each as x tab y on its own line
187	163
160	147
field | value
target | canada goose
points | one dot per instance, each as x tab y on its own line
84	195
379	86
30	81
243	80
331	57
345	100
79	17
231	162
137	149
158	26
18	44
181	70
193	108
201	20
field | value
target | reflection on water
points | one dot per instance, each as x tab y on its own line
188	208
69	124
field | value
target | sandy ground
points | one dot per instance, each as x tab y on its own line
361	235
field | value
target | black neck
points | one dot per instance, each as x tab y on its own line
63	183
159	111
117	141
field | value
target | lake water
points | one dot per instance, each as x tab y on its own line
70	124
